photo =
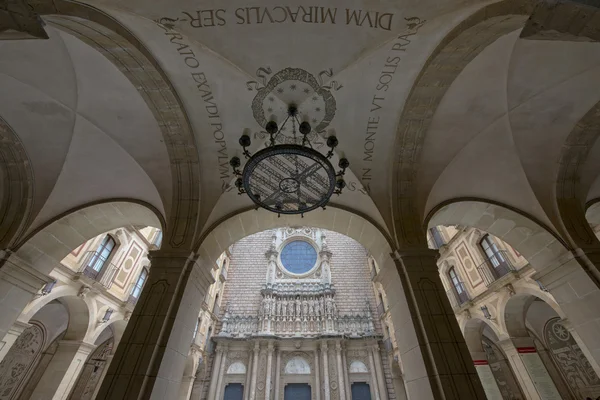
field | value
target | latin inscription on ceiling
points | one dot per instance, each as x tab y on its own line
207	18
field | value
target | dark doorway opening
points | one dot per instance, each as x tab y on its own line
361	391
297	391
234	391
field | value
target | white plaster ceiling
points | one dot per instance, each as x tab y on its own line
214	66
496	135
499	131
87	131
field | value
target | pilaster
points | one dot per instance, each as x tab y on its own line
326	389
255	356
379	372
269	370
62	372
161	326
340	369
437	362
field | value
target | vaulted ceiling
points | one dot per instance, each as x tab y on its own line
489	109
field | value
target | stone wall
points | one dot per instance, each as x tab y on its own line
349	273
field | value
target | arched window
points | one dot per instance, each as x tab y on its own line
100	257
196	329
495	257
216	306
158	239
139	284
459	287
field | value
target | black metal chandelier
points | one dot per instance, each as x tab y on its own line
289	178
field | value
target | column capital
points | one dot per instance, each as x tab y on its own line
20	273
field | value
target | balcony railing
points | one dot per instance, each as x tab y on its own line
380	309
495	267
96	267
458	299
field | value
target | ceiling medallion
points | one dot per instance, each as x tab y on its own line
289	178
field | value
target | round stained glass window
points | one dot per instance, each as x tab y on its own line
298	257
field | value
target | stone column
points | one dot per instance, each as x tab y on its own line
187	382
219	392
317	376
214	377
341	380
249	372
269	371
521	371
277	374
255	357
62	372
9	339
160	328
437	362
490	386
326	391
346	377
374	384
379	371
19	283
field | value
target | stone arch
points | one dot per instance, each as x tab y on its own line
297	366
532	239
113	40
515	311
358	367
236	367
512	310
570	195
46	247
229	230
471	36
473	332
16	186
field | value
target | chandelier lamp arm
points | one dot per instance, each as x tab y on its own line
289	177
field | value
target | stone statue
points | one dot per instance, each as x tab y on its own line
321	306
311	307
279	305
298	307
266	306
328	307
305	307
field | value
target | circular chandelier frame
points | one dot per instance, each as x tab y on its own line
289	178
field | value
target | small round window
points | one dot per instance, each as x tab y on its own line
298	257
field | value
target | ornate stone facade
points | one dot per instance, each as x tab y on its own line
310	321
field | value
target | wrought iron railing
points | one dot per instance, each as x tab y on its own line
495	266
97	267
458	299
380	309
